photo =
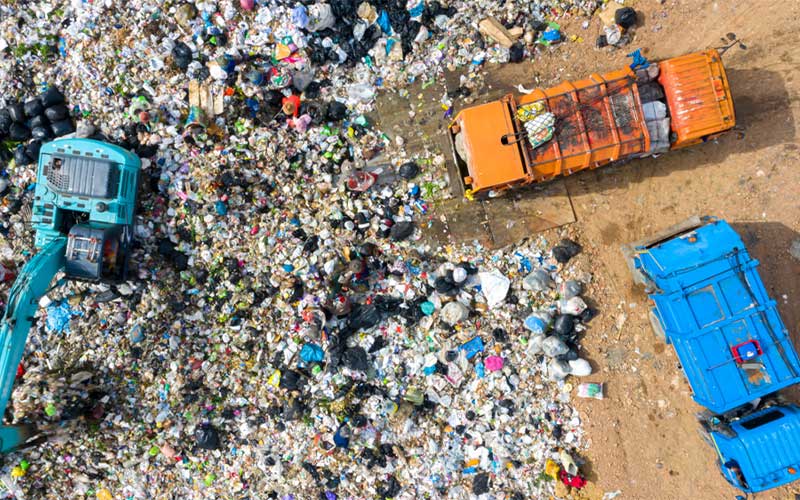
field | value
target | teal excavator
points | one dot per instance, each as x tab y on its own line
83	214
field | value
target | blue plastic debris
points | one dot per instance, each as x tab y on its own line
383	22
551	35
480	369
312	353
535	324
221	208
472	347
417	10
58	316
639	61
300	16
136	334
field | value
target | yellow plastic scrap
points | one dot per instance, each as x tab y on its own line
275	378
104	494
552	469
530	111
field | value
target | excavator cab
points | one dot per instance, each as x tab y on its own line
96	253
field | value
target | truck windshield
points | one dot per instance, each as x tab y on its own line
764	419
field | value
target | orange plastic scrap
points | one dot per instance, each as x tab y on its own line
698	95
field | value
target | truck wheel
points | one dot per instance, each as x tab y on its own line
658	330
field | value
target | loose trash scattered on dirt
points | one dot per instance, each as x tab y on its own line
286	329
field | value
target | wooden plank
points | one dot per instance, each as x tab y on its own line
492	28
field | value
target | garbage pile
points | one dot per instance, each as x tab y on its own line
286	332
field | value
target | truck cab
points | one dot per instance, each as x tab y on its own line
764	450
709	302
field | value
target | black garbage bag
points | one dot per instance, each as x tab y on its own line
21	157
378	344
18	132
17	112
181	55
409	170
401	230
412	312
63	127
625	17
356	359
207	437
312	90
445	286
564	325
480	484
56	113
33	107
336	111
364	317
52	96
387	305
587	315
41	133
291	380
5	122
500	335
566	250
32	149
39	121
391	489
516	53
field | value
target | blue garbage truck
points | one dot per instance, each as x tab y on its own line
709	303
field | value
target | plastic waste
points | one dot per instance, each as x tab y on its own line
494	287
590	390
580	367
538	322
454	313
574	306
553	346
569	288
472	347
558	369
537	280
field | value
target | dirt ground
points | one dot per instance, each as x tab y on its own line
644	439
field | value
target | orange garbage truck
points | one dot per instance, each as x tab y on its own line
589	123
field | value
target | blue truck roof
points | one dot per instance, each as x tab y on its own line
766	449
714	309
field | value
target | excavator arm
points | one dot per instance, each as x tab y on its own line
23	301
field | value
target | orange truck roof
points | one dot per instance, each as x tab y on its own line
698	96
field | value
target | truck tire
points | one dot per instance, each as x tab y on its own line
658	330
